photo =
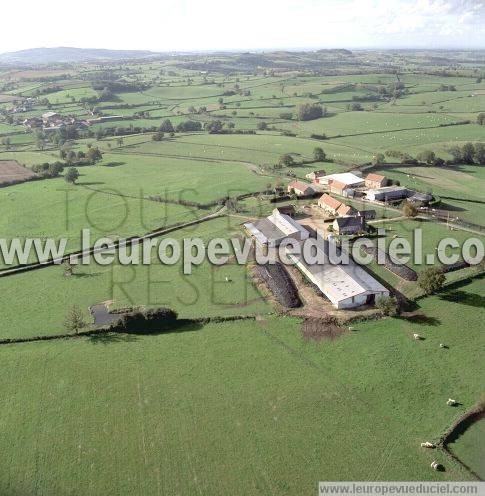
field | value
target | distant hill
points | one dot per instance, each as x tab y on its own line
68	54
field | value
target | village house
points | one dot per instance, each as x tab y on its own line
349	225
340	188
300	188
329	204
375	181
50	117
332	206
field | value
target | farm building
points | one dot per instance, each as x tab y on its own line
313	176
347	178
300	188
349	225
340	188
272	230
367	214
346	286
388	193
421	199
285	210
49	116
329	204
332	206
375	181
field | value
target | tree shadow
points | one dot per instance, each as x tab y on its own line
90	183
106	338
81	275
451	208
470	299
181	325
421	319
113	164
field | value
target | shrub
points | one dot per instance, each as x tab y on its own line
318	154
387	305
151	320
431	280
409	210
310	111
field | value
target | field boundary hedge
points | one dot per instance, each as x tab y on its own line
112	330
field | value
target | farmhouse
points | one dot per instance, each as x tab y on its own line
349	225
346	286
375	181
340	188
388	193
329	204
332	206
347	178
313	176
300	188
272	230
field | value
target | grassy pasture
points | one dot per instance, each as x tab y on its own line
48	295
174	413
469	448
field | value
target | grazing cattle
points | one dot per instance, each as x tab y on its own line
435	465
427	444
416	336
451	402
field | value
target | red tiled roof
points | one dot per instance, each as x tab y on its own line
345	209
299	185
375	177
329	201
338	185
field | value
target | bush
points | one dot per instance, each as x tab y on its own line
152	320
409	210
431	280
387	305
310	111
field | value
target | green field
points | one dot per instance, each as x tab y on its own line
249	406
236	408
469	448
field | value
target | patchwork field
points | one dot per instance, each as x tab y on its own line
247	406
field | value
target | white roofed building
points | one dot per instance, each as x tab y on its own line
348	178
346	286
272	230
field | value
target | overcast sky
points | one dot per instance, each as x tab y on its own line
162	25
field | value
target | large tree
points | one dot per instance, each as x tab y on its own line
310	111
72	175
318	154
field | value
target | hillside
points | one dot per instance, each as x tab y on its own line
70	54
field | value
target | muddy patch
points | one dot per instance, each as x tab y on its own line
321	329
